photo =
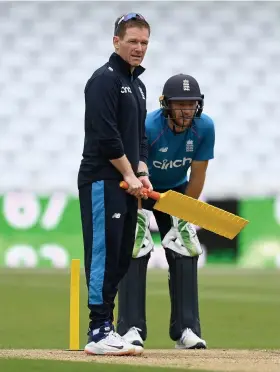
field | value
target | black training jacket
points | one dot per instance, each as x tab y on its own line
115	113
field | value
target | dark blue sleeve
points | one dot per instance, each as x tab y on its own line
205	150
148	129
144	139
144	144
101	97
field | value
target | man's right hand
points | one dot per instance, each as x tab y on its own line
134	185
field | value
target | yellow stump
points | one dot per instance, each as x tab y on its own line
74	343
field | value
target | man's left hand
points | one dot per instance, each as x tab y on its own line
146	183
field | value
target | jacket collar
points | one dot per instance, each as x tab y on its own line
124	67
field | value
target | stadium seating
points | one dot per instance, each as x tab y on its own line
49	50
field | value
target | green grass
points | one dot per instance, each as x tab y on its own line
15	365
239	309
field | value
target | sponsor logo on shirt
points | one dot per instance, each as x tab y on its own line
126	90
163	149
166	164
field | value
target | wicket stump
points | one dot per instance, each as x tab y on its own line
74	329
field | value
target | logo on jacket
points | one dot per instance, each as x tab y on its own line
163	149
126	90
142	93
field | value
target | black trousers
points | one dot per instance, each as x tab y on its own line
109	217
183	286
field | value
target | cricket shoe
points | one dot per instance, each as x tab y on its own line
105	341
189	340
133	337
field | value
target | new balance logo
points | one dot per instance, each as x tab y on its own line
116	215
163	149
126	90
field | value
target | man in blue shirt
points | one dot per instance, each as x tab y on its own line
181	138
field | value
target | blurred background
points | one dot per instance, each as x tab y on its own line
48	50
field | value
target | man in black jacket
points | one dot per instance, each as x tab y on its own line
115	149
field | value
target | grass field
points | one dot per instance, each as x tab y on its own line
239	310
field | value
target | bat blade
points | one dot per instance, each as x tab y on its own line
201	214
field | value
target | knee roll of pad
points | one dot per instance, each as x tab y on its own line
182	238
143	238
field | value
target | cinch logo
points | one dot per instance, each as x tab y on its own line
126	90
165	164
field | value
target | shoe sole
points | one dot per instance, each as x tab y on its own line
199	345
113	353
139	350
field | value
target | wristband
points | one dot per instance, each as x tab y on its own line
141	174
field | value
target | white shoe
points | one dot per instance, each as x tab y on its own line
134	338
111	344
190	340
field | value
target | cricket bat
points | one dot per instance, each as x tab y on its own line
196	212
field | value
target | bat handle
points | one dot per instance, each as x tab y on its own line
153	194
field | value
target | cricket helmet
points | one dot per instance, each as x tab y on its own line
181	87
